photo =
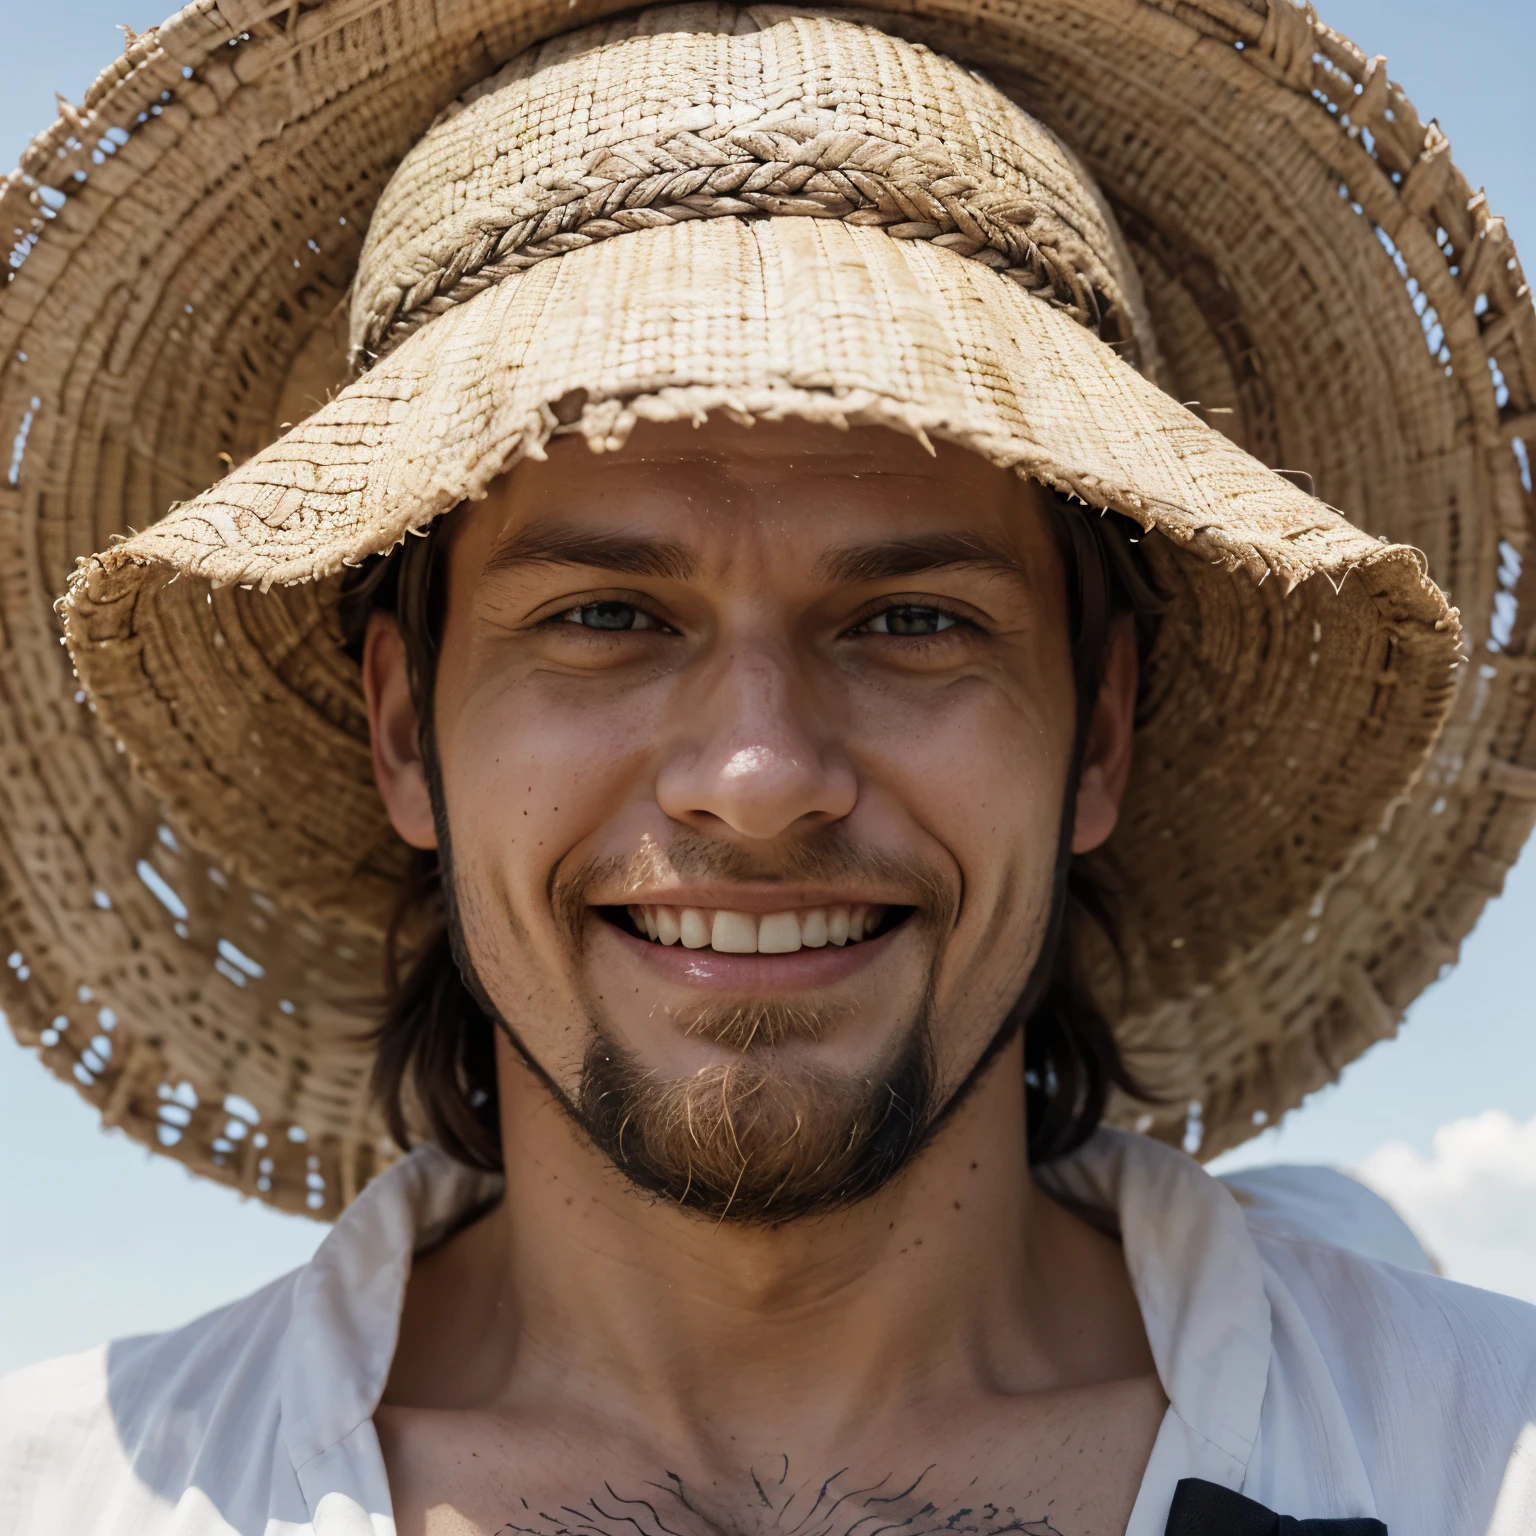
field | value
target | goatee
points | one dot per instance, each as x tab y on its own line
758	1141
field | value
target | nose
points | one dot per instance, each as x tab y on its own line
754	755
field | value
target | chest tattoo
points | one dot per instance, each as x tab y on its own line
772	1504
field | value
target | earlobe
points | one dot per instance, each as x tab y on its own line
1107	755
392	722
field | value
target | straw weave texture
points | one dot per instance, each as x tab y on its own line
794	120
1275	216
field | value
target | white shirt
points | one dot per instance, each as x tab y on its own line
1314	1380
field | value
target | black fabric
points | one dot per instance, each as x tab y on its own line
1207	1509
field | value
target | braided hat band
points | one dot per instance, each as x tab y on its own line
753	126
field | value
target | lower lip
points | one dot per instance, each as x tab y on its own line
803	970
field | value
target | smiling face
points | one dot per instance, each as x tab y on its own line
754	753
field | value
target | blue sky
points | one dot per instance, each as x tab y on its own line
98	1237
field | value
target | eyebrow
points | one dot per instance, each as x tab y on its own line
892	558
563	544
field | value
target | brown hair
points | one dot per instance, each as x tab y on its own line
435	1042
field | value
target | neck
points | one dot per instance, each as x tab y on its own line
577	1283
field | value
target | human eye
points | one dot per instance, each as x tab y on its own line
908	619
609	616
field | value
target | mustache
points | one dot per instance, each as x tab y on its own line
828	856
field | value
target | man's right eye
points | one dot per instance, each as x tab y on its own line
609	616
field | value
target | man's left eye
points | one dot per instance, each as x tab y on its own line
909	619
609	616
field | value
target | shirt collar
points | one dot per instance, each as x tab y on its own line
1193	1266
347	1302
1196	1274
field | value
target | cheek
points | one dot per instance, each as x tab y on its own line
532	767
982	769
981	762
535	778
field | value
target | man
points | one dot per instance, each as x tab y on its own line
771	576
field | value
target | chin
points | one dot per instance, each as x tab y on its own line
769	1135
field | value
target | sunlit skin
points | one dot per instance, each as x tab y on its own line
756	635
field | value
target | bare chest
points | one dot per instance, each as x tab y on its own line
1070	1465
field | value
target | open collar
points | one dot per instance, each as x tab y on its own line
348	1300
1198	1280
1193	1267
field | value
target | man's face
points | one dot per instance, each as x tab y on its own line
754	749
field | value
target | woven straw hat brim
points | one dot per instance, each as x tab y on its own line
179	304
1286	717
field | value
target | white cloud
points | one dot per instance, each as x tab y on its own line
1472	1200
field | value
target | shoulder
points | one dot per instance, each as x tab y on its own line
1309	1201
1407	1325
1364	1287
1435	1381
1363	1284
121	1437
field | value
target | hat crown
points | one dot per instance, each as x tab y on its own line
704	111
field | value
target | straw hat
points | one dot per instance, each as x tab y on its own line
767	211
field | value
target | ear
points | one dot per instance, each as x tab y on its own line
392	723
1107	752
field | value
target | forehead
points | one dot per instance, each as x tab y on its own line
785	491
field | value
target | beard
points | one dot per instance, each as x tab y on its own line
768	1137
761	1140
758	1141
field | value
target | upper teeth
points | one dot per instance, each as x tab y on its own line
745	933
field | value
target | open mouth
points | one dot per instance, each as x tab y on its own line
750	933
